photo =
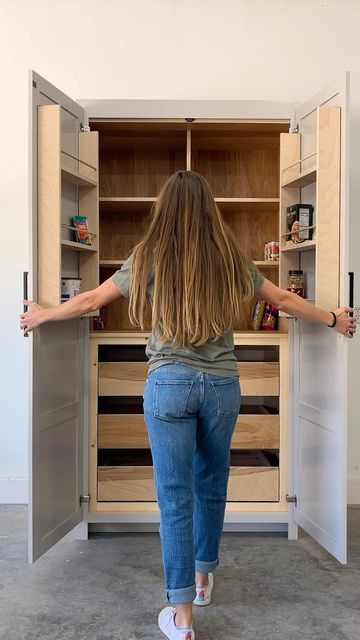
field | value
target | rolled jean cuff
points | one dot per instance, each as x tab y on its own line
206	567
181	596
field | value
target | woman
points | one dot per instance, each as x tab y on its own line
190	274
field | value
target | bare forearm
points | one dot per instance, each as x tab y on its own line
297	307
76	307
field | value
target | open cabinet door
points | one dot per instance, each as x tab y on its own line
320	354
56	367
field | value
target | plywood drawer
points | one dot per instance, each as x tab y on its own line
122	378
125	483
246	484
128	378
122	431
259	378
128	431
253	484
256	432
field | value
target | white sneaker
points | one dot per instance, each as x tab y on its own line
203	594
168	626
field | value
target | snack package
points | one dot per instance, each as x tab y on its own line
270	318
258	314
98	322
81	233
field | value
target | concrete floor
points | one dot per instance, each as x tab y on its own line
111	588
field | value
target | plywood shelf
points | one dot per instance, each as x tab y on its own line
266	264
140	337
283	314
301	179
248	204
302	246
125	204
77	246
69	175
111	263
259	263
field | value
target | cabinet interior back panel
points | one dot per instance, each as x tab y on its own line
132	165
120	232
238	166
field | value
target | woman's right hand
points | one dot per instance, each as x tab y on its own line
345	324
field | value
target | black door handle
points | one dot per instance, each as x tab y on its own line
25	294
351	291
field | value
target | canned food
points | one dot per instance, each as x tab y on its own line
272	250
70	287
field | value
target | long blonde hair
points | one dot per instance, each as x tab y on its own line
201	276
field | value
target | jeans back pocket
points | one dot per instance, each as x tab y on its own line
228	396
171	398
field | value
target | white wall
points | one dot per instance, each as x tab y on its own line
189	49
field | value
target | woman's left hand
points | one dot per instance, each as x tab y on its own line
33	317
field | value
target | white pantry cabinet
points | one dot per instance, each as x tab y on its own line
90	463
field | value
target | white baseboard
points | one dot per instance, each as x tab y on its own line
13	490
354	490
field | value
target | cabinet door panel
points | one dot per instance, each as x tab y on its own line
320	355
57	365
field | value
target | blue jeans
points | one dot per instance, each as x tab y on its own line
190	418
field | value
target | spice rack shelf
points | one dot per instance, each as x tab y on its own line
318	258
77	246
74	177
307	245
283	314
58	255
301	179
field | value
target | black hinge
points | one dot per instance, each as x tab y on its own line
291	499
84	499
34	84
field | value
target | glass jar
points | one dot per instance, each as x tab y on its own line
296	282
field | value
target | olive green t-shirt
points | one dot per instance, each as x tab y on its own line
214	357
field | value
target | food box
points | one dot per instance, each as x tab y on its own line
299	216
